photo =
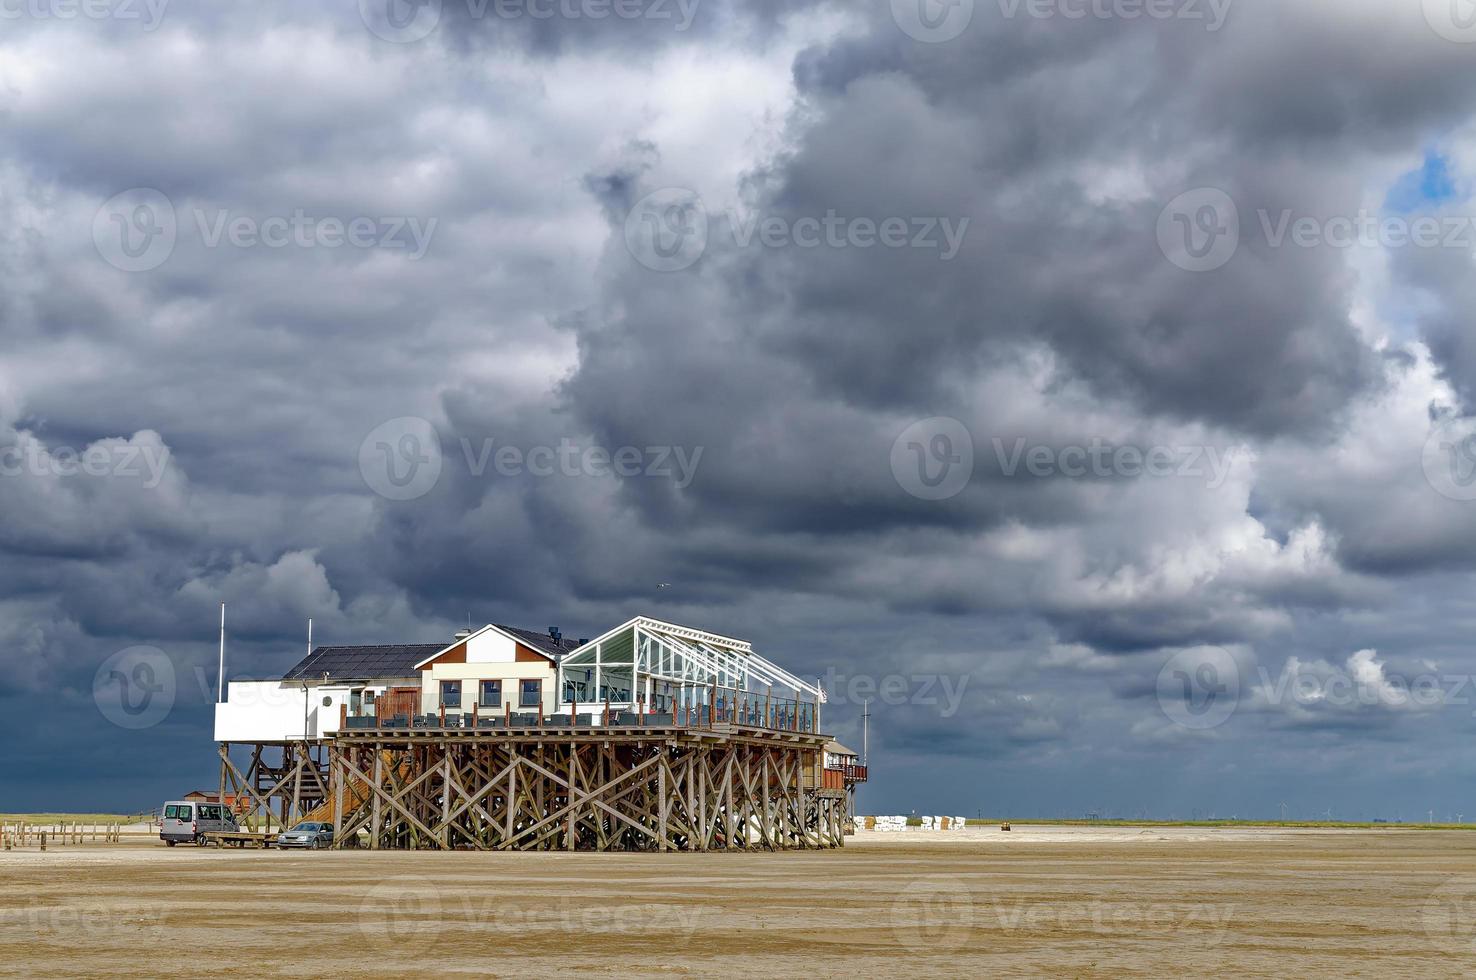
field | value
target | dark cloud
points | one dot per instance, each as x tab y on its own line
1029	162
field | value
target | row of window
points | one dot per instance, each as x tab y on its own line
185	811
580	691
530	694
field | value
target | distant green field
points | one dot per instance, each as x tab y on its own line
1353	824
82	818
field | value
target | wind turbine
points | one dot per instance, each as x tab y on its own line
1283	811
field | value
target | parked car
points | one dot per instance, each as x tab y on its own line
185	822
307	834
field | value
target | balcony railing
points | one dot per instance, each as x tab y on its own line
836	776
707	708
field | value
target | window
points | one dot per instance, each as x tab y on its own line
530	694
209	812
450	694
178	812
491	694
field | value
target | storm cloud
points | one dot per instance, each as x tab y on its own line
1000	370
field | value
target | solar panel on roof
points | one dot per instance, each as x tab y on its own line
365	660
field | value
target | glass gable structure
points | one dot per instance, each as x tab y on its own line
658	667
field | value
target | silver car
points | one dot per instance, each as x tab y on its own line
307	834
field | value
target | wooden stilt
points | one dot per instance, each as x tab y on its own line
643	788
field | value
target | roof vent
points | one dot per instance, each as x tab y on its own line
583	640
462	634
553	631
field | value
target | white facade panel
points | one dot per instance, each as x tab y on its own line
260	711
273	711
490	647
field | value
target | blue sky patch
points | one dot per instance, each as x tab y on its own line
1421	189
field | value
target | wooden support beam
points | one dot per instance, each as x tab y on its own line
641	789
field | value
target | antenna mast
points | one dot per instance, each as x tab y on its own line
220	675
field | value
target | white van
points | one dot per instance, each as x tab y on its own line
188	823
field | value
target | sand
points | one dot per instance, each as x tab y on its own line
1058	901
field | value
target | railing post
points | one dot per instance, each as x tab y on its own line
342	716
442	706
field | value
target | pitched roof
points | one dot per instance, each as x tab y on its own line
541	642
392	660
402	659
554	650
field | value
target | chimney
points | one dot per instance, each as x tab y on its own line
553	631
462	634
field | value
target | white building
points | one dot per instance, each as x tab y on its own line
644	667
496	668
